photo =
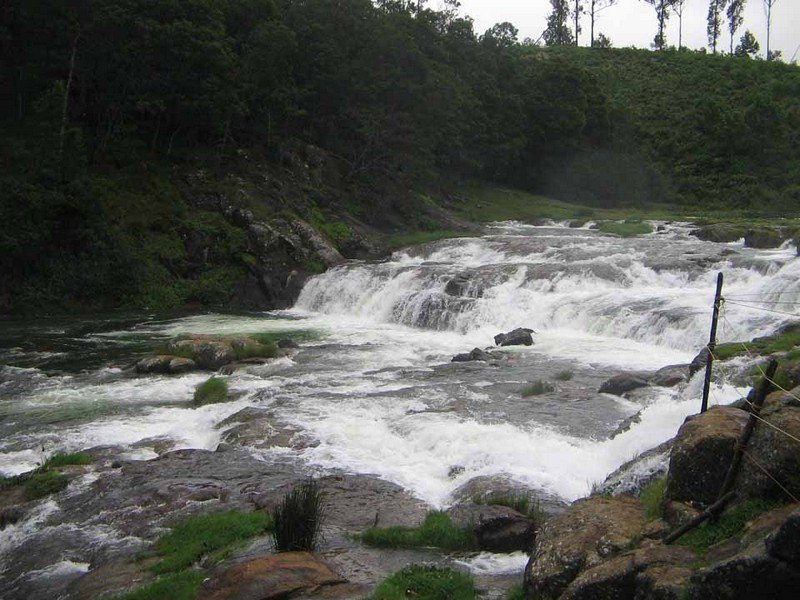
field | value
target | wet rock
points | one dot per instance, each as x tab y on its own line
774	452
10	515
679	513
699	362
764	237
207	353
455	471
670	376
590	531
701	452
631	477
719	232
155	364
623	383
654	572
476	354
270	578
288	344
257	428
482	489
784	542
506	533
317	243
517	337
181	365
463	285
112	579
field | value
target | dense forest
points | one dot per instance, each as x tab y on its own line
114	109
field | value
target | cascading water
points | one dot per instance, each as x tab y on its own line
374	392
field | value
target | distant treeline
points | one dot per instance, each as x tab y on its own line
101	89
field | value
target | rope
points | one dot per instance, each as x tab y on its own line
768	474
769	310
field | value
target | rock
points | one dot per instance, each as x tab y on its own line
270	578
623	383
655	572
670	376
506	533
181	365
784	543
257	428
634	475
719	232
288	344
478	491
462	285
111	579
317	243
590	531
698	362
475	355
774	452
661	228
154	364
764	237
10	515
207	353
701	454
517	337
679	513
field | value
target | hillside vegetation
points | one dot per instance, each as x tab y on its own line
131	127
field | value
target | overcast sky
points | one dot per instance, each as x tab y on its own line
633	22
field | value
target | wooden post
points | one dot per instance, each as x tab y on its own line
703	516
712	343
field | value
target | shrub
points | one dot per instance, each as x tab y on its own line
436	531
298	519
214	389
203	535
537	388
426	583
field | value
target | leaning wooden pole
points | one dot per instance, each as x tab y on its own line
712	343
703	516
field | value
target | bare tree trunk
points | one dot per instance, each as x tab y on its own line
65	105
577	17
769	23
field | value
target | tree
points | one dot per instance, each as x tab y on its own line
577	15
735	17
714	22
768	4
502	34
603	41
748	46
662	8
595	7
679	9
558	32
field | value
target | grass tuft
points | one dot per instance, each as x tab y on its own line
436	531
426	583
211	391
651	497
43	483
256	349
175	586
298	519
521	502
564	375
537	388
204	535
627	228
729	524
63	460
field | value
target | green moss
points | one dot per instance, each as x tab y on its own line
785	341
401	240
426	583
517	592
204	535
729	524
564	375
437	531
273	337
213	390
41	484
651	497
62	460
256	349
537	388
625	228
175	586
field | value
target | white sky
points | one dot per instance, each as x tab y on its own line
633	22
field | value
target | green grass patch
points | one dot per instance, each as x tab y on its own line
212	390
564	375
729	524
206	535
625	228
298	519
255	349
537	388
43	483
63	460
516	592
651	496
521	502
785	341
426	583
437	531
401	240
175	586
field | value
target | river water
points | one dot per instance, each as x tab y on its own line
372	389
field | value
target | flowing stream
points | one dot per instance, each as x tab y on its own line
372	388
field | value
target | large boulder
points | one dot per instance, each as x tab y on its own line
463	285
270	578
154	364
773	451
518	337
590	531
764	237
699	362
476	354
701	454
623	383
497	528
654	572
719	232
670	376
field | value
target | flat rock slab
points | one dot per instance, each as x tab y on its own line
270	577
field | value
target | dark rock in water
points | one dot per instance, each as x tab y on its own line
764	237
10	515
701	452
113	577
154	364
699	362
661	229
623	383
653	572
576	224
670	376
517	337
541	222
462	285
506	533
626	424
590	531
455	471
634	475
181	365
475	355
287	344
257	428
483	488
719	232
270	578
